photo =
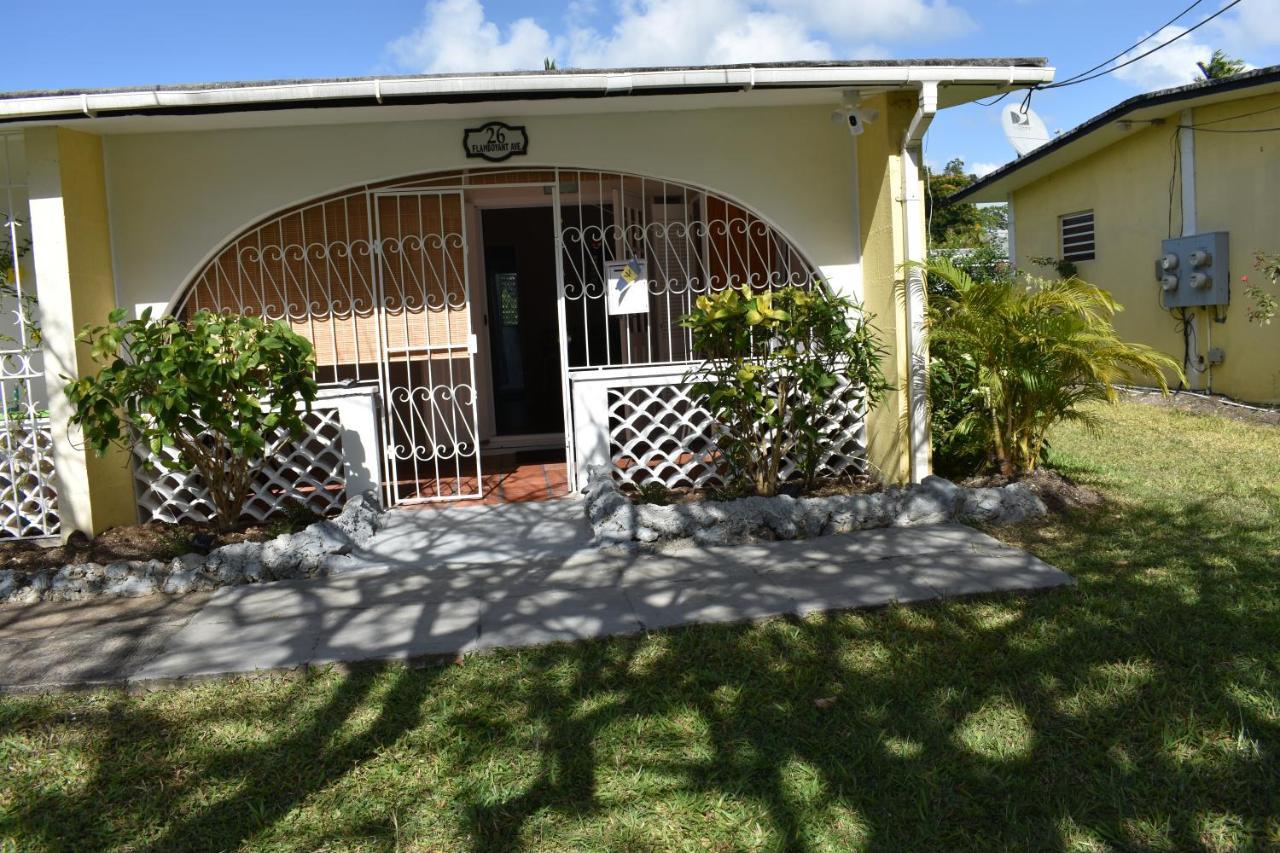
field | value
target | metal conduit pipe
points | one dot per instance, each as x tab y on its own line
915	246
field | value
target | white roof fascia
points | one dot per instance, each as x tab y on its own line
506	86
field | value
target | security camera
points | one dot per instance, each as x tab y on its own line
854	118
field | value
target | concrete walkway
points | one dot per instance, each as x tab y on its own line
551	588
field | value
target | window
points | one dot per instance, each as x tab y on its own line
1077	236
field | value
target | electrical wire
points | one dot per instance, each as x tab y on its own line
1104	62
1199	124
1197	129
1088	74
1080	78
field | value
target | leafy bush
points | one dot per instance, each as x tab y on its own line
1013	359
985	262
1262	304
771	362
213	388
1061	266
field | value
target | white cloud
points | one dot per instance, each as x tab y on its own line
984	169
1172	65
862	20
1249	27
1249	30
456	35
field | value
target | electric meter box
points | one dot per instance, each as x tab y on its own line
1192	271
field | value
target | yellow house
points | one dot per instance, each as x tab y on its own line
1117	195
450	245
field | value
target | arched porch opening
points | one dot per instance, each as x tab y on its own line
507	311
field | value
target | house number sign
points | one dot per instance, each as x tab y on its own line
495	141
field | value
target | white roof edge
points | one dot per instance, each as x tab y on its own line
506	86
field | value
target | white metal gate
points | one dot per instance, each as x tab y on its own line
429	385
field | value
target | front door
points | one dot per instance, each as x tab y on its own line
524	341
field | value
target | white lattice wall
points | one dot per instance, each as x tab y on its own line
308	469
28	499
644	424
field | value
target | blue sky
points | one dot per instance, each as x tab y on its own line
89	44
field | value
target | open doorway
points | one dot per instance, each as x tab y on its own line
525	456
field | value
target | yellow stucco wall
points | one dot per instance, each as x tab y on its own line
72	240
176	197
1127	185
1238	191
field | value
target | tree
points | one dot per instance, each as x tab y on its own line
1020	359
1220	65
213	387
962	225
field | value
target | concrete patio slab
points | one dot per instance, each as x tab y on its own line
517	534
449	603
399	631
555	615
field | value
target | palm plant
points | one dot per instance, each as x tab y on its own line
1032	354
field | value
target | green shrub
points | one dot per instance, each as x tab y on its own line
1010	360
213	388
1262	303
771	362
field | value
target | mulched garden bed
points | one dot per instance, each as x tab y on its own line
1059	493
858	484
155	540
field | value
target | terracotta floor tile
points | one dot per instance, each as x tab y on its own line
505	479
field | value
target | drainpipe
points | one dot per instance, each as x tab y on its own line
915	249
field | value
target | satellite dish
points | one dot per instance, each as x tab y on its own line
1024	129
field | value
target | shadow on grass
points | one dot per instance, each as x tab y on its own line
1139	709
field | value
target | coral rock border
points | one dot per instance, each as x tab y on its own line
307	553
615	520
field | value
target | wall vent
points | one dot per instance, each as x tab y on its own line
1077	236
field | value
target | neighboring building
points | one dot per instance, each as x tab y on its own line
1196	160
452	245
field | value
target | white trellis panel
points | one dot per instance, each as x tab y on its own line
653	430
308	469
27	495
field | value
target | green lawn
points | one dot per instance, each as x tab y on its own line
1139	709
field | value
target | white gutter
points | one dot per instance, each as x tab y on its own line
507	86
915	250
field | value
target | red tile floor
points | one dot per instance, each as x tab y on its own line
511	477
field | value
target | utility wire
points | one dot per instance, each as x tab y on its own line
1234	117
1203	126
1081	78
1104	62
1094	73
1198	129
